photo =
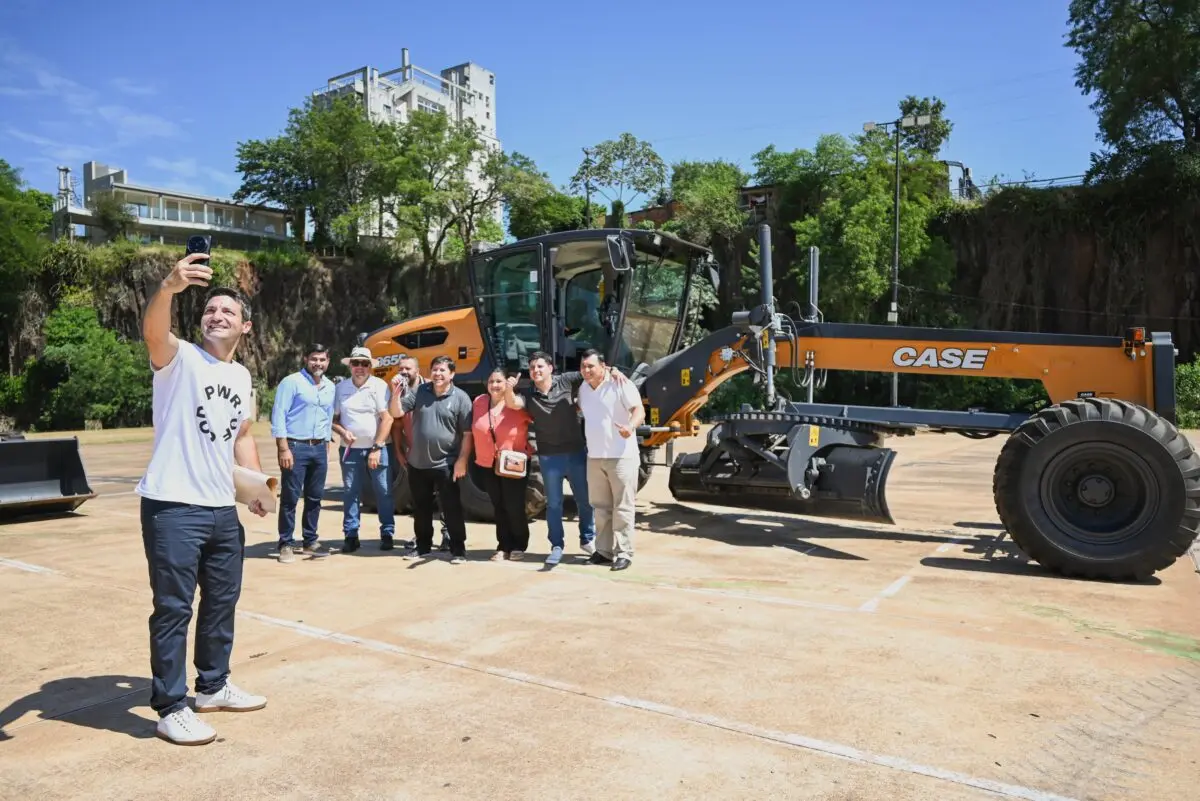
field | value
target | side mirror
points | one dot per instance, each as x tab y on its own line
618	256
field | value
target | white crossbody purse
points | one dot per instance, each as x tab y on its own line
507	463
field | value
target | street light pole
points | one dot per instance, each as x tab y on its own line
894	312
910	121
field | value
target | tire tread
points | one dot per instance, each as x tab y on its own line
1006	488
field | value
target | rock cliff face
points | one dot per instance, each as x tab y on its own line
1074	263
326	300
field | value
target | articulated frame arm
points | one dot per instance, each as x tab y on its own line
1069	366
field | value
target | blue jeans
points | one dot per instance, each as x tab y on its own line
307	476
572	467
354	472
186	546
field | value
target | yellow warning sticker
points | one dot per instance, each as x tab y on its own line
685	377
814	435
653	415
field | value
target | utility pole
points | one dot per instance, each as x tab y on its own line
587	188
910	121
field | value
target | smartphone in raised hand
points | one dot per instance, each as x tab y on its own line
199	244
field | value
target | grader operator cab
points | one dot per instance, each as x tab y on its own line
1100	484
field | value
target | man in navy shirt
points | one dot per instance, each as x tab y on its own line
302	425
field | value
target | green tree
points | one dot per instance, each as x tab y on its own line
928	138
25	216
1141	61
325	164
853	225
707	194
535	206
617	166
85	373
423	179
273	172
112	216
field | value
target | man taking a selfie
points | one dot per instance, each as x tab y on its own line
190	527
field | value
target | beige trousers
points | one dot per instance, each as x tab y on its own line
612	487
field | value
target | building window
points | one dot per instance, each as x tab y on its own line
428	105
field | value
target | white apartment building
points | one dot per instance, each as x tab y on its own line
165	216
465	92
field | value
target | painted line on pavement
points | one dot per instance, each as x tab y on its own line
890	590
28	568
824	747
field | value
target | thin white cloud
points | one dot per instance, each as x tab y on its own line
186	172
60	152
30	77
133	126
133	87
184	168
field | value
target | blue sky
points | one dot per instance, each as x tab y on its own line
166	90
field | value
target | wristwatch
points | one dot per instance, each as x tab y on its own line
375	447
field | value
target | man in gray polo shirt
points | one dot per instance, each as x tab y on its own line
438	454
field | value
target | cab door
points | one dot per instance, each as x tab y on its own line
509	296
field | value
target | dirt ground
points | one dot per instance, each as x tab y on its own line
744	655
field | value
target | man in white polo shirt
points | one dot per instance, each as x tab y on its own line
190	527
612	411
361	419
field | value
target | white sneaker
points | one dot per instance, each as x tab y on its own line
182	727
229	698
588	547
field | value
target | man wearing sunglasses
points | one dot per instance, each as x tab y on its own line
361	419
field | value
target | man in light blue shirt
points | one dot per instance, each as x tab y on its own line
302	425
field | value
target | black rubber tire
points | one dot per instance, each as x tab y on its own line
644	468
1130	443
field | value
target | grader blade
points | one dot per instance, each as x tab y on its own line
41	476
774	462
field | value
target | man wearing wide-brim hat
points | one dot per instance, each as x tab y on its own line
362	421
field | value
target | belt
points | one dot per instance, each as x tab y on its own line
309	441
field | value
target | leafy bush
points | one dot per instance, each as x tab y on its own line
85	373
1187	394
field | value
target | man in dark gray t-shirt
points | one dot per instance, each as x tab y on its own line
438	454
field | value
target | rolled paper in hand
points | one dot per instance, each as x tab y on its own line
251	485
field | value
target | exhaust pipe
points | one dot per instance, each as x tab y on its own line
768	301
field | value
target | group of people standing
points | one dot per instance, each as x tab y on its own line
191	530
438	431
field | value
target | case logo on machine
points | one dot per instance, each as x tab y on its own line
943	358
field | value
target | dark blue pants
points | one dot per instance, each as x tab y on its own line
572	467
307	476
188	546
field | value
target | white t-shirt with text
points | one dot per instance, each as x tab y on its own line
604	408
358	408
200	403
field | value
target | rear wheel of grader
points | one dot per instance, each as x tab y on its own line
1099	488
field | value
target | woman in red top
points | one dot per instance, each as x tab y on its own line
495	428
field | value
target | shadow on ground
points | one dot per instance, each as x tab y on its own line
97	702
767	530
